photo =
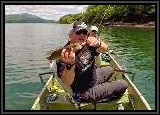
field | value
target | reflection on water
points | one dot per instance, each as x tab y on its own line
26	46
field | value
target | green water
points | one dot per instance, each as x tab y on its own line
135	51
27	44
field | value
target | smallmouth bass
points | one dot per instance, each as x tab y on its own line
56	53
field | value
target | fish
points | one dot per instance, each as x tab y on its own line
55	54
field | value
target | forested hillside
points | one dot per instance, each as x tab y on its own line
112	14
25	18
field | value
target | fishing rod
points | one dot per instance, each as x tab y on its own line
124	71
111	51
121	70
107	57
102	19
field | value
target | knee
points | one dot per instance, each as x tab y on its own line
123	84
109	70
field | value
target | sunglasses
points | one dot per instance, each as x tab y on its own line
94	31
85	32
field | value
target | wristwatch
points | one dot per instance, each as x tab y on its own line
69	66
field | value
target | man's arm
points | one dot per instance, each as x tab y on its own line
102	47
68	75
68	72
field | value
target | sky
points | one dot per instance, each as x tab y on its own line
49	12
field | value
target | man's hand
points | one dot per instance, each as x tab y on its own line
92	41
68	57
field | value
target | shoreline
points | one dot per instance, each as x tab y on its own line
120	24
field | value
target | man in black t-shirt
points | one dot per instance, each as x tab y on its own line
78	70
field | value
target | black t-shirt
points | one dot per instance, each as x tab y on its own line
85	75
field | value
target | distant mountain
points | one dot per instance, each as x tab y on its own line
25	18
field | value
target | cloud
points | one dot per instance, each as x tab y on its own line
51	12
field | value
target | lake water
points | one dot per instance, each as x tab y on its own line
27	43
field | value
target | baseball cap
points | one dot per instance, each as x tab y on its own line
79	25
94	28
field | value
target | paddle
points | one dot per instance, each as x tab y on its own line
40	76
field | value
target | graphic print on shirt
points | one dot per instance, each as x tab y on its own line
85	58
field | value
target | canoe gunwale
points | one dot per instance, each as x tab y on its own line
133	85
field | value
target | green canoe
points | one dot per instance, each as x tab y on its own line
56	96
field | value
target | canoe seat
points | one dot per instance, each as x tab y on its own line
118	103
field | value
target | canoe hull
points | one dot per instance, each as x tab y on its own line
131	100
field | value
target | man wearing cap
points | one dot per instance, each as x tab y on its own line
93	31
77	69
